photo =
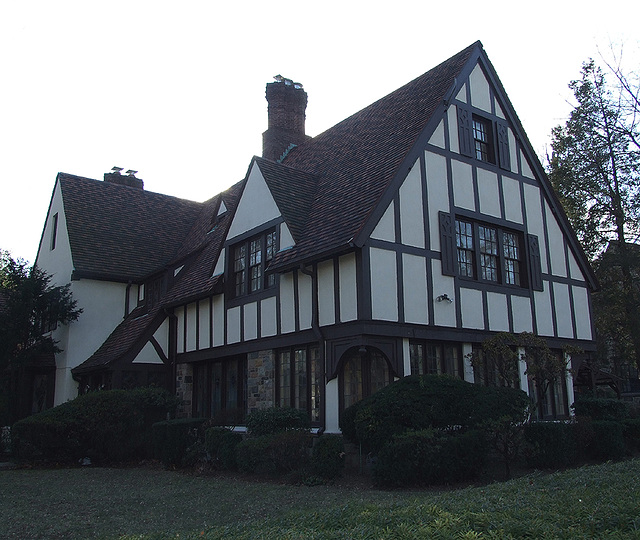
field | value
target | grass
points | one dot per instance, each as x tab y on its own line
591	502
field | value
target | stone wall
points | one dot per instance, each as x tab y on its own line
261	373
184	389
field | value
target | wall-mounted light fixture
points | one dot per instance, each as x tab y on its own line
362	349
444	298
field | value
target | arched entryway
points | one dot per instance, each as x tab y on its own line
362	372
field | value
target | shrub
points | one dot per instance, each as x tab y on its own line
607	442
276	453
112	425
428	402
601	409
428	457
220	443
276	419
172	438
631	431
550	445
327	457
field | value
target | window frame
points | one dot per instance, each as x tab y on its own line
203	374
484	249
248	263
313	400
496	140
425	365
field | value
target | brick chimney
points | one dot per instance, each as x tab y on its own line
128	179
287	104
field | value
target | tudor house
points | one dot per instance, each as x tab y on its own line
393	243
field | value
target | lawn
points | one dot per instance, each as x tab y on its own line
590	502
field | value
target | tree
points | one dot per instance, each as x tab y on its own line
497	362
595	169
30	308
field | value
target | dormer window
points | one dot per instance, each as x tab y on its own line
485	138
250	260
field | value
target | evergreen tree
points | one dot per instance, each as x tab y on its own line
30	308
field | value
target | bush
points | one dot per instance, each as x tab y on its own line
550	445
172	439
220	444
106	426
276	419
327	457
428	402
429	457
601	409
631	431
277	453
607	442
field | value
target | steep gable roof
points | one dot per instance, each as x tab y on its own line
122	233
356	160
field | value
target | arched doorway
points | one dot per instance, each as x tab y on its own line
363	371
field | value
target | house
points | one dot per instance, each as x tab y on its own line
393	243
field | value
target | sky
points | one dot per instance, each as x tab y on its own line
176	90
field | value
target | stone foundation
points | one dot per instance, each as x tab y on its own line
261	373
184	389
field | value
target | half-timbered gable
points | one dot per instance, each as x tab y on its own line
393	243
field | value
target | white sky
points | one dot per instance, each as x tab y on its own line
175	90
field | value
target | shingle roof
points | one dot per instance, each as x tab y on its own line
122	233
355	160
124	338
204	241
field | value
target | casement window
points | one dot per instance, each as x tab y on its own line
488	253
429	358
299	378
250	260
485	139
218	390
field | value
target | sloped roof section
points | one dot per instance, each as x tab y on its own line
293	191
356	159
122	233
123	340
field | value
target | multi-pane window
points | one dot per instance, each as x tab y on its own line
219	390
464	243
488	253
428	358
511	248
299	376
363	373
250	261
482	139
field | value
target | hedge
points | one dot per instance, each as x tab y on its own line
220	443
172	438
106	426
549	445
428	457
601	408
277	453
327	457
276	419
428	402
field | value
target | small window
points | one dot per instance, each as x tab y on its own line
483	139
54	231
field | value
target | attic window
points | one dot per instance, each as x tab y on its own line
482	139
54	231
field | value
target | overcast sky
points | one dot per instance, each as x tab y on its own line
175	90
